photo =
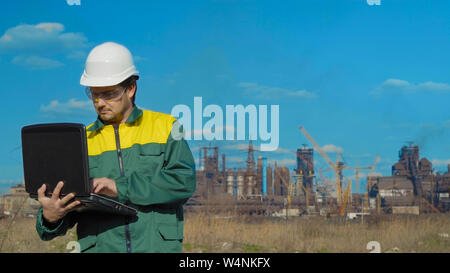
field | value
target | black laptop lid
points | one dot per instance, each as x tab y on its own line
55	152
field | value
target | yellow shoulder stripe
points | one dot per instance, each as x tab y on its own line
151	127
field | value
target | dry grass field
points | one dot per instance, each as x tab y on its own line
20	236
424	233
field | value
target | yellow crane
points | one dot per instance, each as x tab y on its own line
357	175
323	181
337	169
288	186
369	183
372	168
293	187
342	209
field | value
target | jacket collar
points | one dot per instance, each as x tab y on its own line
135	114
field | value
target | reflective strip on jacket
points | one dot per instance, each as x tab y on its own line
158	177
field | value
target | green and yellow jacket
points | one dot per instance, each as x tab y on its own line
154	173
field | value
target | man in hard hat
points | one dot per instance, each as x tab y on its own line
134	158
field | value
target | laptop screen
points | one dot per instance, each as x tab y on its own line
55	152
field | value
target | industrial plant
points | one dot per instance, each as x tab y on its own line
259	188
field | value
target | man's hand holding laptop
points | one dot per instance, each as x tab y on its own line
54	208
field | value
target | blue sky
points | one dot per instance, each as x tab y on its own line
361	79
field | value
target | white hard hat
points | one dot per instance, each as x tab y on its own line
108	64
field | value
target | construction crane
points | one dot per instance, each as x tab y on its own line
339	176
293	187
357	174
288	186
369	183
372	168
342	209
340	166
324	181
335	167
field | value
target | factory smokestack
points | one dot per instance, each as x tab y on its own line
264	176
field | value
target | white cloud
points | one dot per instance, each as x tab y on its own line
243	146
286	162
40	38
435	86
224	129
266	92
73	2
330	148
11	181
236	146
72	107
280	150
37	46
50	27
36	62
440	162
405	87
235	159
395	82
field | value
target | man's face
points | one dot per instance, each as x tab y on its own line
112	102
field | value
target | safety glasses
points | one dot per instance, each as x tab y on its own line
107	96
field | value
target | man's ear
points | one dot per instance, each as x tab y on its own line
131	90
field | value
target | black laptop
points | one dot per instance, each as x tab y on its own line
56	152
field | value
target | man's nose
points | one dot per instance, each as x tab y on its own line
99	102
